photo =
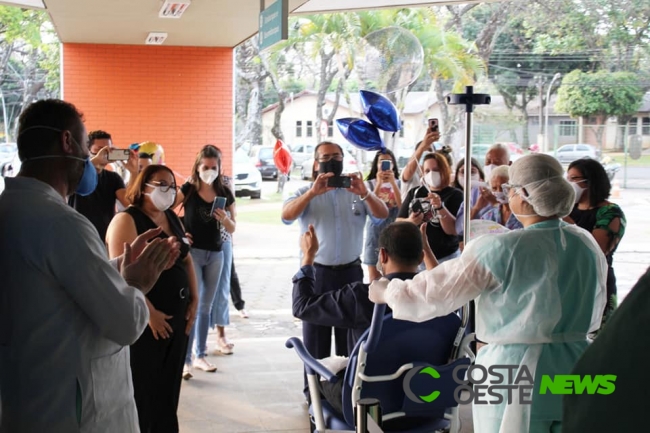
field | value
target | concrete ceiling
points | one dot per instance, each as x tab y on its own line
220	23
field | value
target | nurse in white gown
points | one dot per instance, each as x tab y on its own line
539	291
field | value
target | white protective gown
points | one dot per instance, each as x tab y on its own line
539	292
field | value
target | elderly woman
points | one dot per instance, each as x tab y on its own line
539	291
493	202
444	202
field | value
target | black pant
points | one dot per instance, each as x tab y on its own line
157	368
235	289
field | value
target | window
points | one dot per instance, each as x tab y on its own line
631	130
563	149
310	129
330	129
298	149
568	128
645	126
298	128
583	148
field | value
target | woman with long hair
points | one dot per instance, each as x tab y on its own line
593	212
436	203
157	357
198	194
383	180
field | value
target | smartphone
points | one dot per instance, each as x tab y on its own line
339	182
118	154
219	203
433	125
386	165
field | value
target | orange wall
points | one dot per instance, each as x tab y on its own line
179	97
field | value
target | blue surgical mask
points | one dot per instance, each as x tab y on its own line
88	181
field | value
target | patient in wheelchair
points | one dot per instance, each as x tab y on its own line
401	249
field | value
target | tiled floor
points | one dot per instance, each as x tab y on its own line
258	389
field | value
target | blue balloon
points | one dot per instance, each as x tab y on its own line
380	111
360	133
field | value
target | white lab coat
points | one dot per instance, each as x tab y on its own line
66	315
539	292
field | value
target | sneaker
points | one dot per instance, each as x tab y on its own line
243	314
187	375
203	364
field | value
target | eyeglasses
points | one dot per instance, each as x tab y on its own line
162	185
506	187
326	158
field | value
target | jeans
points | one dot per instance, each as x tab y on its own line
207	267
220	314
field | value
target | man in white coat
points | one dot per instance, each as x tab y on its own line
66	312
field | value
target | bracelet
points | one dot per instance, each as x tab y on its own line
367	195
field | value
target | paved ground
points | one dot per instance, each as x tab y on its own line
259	387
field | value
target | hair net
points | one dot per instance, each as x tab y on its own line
547	190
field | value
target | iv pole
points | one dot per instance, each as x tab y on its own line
468	99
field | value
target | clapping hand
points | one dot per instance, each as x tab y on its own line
142	271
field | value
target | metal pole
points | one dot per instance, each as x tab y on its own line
548	99
467	191
4	116
541	106
367	410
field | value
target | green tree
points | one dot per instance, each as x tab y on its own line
29	61
600	95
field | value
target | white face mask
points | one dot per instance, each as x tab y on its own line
475	179
162	200
578	190
433	179
379	267
501	197
208	176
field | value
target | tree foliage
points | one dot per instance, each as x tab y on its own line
29	61
599	94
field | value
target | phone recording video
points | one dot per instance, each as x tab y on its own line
339	182
118	155
386	165
433	125
219	203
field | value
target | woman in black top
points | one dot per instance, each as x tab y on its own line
444	201
197	195
157	357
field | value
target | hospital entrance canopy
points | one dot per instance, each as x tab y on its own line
204	23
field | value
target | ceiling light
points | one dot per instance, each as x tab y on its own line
156	38
173	8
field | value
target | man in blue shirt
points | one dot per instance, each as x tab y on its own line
338	216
